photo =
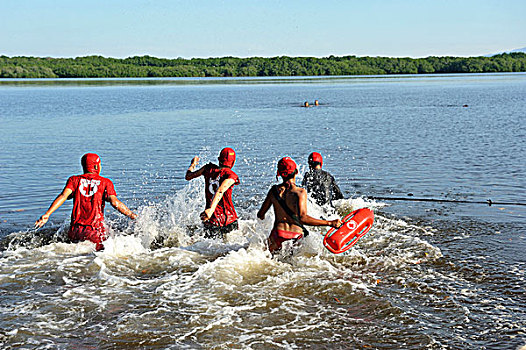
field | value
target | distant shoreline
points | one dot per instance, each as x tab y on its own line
152	67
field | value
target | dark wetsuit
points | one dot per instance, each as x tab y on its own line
322	186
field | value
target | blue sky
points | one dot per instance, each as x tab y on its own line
247	28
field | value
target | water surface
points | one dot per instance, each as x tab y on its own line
428	275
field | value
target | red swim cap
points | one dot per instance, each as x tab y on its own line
227	157
315	157
286	167
88	161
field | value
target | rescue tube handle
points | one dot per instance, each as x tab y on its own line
344	221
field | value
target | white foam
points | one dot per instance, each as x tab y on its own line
217	284
122	246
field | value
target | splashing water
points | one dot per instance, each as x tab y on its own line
188	291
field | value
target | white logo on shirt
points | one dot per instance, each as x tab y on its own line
88	187
214	185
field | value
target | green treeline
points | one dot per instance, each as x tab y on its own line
147	66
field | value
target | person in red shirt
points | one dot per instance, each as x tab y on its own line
219	216
89	192
290	208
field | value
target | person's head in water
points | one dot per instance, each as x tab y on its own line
91	163
315	160
227	157
287	169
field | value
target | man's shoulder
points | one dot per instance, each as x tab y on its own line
300	190
312	174
208	168
105	179
326	174
72	182
229	171
74	178
316	174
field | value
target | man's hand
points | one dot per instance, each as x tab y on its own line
192	173
335	223
61	198
207	214
42	221
194	162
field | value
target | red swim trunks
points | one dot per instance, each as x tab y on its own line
79	233
277	237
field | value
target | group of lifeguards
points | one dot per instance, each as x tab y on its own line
90	191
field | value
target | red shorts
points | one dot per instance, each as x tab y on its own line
79	233
277	237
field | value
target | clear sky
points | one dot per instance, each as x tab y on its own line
247	28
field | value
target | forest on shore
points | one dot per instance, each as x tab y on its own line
147	66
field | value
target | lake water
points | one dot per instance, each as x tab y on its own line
436	275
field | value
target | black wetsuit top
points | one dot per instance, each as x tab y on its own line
322	186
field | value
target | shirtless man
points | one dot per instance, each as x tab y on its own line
219	216
89	192
290	208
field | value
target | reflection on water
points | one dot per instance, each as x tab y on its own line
180	81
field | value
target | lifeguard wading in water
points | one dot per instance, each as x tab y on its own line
319	183
89	192
290	208
219	216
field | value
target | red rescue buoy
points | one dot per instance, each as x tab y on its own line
355	225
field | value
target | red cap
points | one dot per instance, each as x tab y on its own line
88	161
315	157
227	157
286	167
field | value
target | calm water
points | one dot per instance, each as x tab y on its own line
428	275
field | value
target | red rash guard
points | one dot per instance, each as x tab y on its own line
224	213
90	191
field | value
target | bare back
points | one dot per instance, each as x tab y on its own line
292	197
